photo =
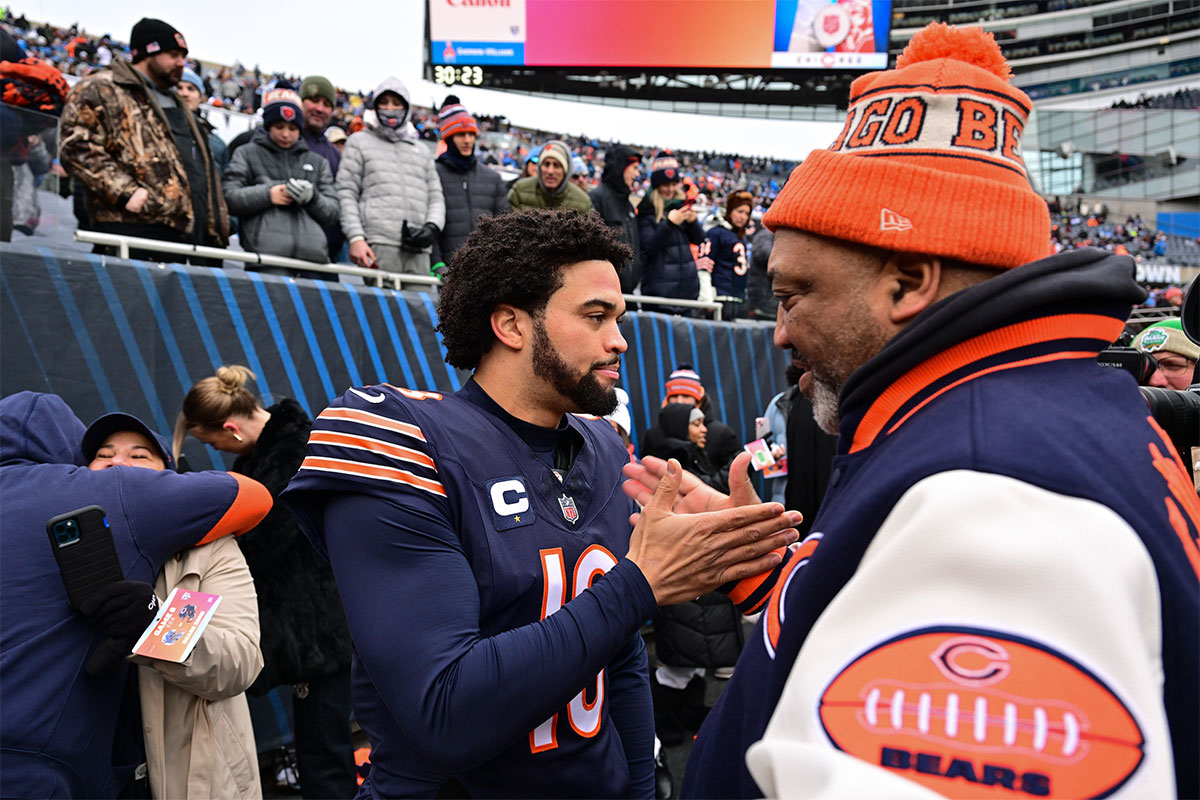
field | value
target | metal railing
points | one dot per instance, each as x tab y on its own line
373	277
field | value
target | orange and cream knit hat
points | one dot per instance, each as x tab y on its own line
929	160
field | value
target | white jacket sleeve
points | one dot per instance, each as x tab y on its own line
995	634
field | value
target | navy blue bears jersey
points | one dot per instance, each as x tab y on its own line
495	625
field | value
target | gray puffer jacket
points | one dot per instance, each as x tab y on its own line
291	231
387	178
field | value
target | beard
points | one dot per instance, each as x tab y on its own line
824	399
585	392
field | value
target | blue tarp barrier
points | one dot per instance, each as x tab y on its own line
114	335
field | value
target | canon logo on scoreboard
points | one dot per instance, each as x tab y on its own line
466	3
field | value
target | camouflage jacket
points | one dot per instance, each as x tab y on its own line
115	138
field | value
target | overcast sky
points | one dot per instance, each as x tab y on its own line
356	44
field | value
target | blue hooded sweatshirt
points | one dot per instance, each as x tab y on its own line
59	725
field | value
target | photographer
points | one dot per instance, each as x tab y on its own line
1174	354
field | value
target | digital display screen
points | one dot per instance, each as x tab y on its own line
681	34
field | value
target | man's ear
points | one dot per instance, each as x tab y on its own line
511	326
913	280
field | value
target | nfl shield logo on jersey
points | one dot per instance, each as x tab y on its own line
570	512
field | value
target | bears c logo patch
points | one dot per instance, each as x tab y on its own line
981	714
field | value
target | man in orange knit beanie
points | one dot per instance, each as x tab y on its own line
999	595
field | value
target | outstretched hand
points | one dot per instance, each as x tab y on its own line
685	554
694	495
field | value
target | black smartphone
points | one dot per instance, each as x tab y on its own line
84	549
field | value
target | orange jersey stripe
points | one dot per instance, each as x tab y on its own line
371	471
374	420
371	445
249	506
1010	337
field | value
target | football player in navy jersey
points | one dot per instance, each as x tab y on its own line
493	520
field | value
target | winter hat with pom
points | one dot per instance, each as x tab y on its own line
929	160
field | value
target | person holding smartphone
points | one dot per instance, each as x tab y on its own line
63	674
668	228
198	736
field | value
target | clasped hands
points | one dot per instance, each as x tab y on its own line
689	538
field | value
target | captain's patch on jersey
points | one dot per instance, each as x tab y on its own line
978	713
510	503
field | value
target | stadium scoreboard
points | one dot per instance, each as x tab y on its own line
469	41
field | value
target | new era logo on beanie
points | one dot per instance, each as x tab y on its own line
282	105
152	36
928	161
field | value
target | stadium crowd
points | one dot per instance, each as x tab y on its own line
373	179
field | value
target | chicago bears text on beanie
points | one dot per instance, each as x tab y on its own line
928	161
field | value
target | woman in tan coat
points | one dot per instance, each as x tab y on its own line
199	741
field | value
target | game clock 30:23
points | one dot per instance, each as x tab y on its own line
448	75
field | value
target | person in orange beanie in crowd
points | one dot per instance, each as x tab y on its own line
1000	591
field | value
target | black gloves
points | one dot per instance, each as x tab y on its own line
122	610
419	240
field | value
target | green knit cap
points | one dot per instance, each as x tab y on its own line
1167	336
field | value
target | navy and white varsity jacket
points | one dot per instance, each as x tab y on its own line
1000	594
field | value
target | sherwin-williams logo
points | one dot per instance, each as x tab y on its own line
1154	339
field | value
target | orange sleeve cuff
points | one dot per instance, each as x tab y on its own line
249	506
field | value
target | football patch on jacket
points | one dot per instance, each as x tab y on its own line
978	713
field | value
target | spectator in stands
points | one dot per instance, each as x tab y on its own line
550	188
336	137
305	640
759	299
471	189
612	200
198	736
281	192
729	250
63	672
528	166
191	89
319	98
1172	350
668	228
579	173
391	197
142	157
722	442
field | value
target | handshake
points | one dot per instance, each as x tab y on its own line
300	190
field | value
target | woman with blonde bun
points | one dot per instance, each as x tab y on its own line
305	640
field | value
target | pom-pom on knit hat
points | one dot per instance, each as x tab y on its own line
453	118
282	105
929	160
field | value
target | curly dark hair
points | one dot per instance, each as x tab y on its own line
516	259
